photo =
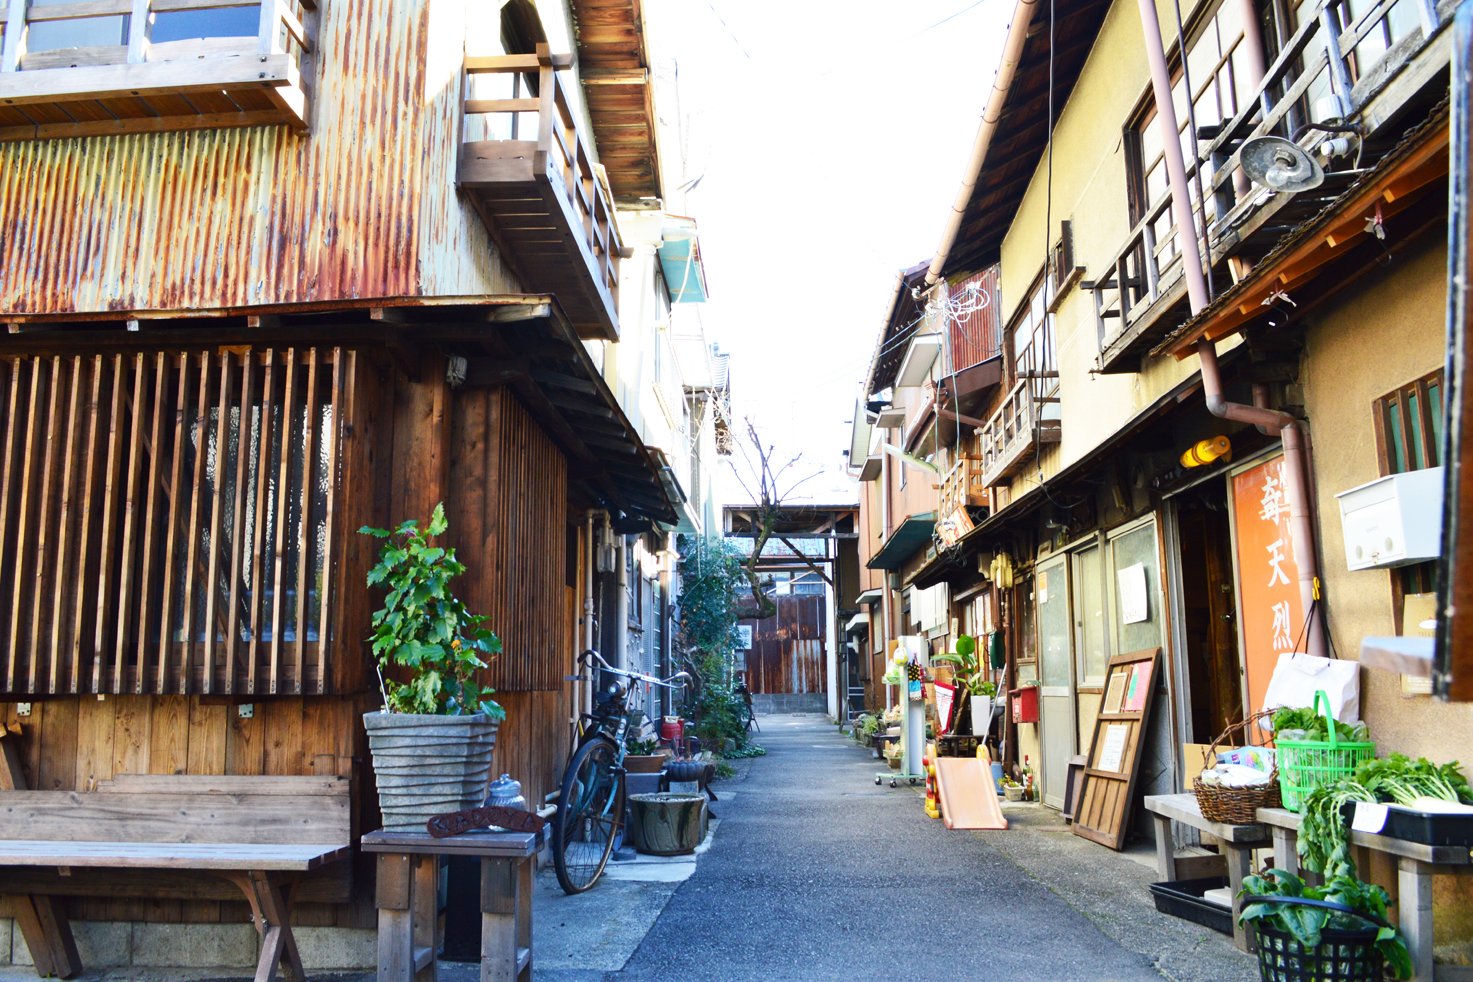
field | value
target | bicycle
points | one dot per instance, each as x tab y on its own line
591	798
747	716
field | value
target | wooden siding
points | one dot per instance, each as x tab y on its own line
170	519
508	513
787	653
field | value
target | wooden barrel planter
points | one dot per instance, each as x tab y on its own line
667	824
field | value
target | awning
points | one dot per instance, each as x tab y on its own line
870	597
913	533
856	624
680	262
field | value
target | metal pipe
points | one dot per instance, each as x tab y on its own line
885	599
1002	81
621	624
1176	168
584	698
1296	481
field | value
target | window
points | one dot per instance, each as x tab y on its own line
1216	58
239	61
168	519
1408	424
1031	336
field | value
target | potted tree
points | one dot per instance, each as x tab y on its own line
972	675
432	741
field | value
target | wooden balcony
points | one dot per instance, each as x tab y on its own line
963	487
526	167
1018	427
142	86
1140	295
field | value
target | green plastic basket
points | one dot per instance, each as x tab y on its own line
1306	764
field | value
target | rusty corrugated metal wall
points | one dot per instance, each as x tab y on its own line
787	654
363	205
975	336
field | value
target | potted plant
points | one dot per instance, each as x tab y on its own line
432	741
643	756
1011	789
1304	931
972	675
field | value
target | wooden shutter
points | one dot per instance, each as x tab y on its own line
169	519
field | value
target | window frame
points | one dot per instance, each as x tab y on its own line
1415	578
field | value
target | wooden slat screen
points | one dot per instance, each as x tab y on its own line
168	519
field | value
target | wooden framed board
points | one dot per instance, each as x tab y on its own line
1102	810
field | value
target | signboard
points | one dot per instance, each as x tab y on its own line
744	640
1272	616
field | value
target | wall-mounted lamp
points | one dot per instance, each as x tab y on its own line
1209	451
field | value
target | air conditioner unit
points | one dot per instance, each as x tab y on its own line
1393	521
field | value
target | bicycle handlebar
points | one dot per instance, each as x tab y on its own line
668	683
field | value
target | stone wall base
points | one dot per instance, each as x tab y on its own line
123	944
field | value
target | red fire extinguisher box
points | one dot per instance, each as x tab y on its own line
1025	704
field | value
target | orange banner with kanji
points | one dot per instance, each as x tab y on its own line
1272	620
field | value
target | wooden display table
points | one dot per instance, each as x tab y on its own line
1415	864
408	867
1236	842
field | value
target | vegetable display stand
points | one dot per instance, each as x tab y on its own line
1306	764
912	736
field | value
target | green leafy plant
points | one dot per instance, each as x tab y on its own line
1306	922
1314	726
743	753
424	629
641	748
971	670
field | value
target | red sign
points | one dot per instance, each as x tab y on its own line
1268	575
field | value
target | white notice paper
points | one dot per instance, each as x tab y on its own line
1369	817
1134	604
1112	753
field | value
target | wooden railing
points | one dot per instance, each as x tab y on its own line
1148	266
963	486
538	100
1015	428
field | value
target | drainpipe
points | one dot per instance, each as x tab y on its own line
621	622
590	636
1012	54
885	599
1270	421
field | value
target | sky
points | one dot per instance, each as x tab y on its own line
829	138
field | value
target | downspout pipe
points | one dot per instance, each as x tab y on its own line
1002	81
1269	421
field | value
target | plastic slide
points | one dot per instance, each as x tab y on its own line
968	796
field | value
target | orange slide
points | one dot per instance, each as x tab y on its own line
968	796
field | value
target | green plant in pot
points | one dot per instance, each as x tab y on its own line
1303	931
973	677
642	756
432	742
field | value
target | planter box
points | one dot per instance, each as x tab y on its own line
428	765
1184	898
1428	828
667	824
645	763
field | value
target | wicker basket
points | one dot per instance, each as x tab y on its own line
1236	806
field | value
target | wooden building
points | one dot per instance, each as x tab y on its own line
274	271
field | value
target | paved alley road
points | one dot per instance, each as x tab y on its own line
816	873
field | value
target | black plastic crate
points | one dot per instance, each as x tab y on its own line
1183	898
1428	828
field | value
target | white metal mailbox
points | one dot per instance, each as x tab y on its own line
1394	520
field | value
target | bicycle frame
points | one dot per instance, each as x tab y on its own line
613	722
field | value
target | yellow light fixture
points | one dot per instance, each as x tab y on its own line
1208	451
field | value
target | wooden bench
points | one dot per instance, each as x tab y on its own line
261	834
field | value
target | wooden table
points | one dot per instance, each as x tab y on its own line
408	867
1415	864
1236	842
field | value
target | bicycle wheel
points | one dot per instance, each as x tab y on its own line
590	814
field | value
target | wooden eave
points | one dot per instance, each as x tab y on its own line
1321	247
618	88
523	342
1022	131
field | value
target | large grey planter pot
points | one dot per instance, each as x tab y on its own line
428	765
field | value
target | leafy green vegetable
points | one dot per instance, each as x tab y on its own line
1315	726
1306	922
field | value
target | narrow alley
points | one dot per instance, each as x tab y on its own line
816	873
